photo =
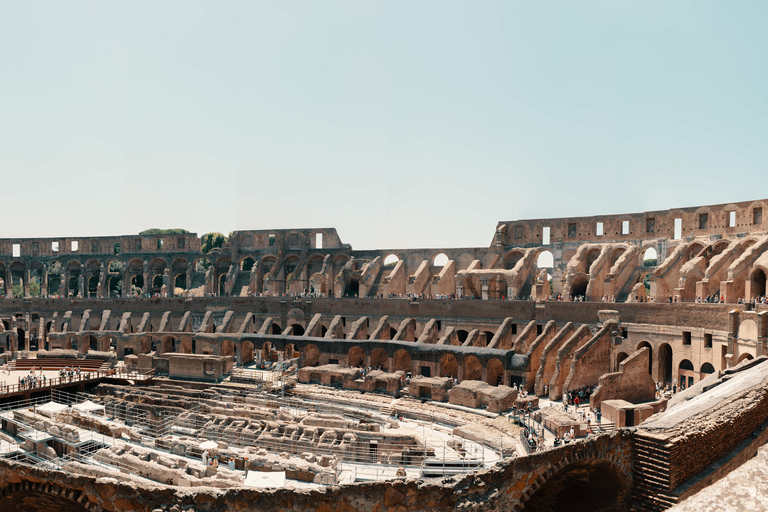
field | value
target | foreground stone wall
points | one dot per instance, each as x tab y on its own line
503	488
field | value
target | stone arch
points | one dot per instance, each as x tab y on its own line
645	344
356	357
512	257
295	329
352	288
266	351
246	264
90	341
650	257
440	260
545	259
693	250
665	364
276	329
758	279
616	254
390	260
621	356
462	335
43	496
592	256
744	357
707	369
449	366
473	369
494	372
288	351
401	360
581	483
310	356
579	285
379	359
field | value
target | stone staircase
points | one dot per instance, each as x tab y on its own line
651	474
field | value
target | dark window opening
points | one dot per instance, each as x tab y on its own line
572	229
707	340
650	225
539	328
757	216
703	220
686	338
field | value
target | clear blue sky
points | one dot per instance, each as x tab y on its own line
400	123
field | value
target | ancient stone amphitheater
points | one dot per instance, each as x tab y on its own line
287	371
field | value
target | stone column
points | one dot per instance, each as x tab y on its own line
189	276
27	291
459	291
484	286
8	284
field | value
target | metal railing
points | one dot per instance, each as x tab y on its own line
38	384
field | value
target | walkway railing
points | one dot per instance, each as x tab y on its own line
82	378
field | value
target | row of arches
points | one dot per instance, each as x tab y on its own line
468	368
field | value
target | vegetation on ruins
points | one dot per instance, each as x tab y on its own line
211	241
158	231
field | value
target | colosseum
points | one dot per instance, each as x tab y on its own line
604	363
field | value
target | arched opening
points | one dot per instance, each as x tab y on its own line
685	374
22	338
310	355
665	364
93	286
461	334
401	360
276	329
289	351
744	357
356	357
92	342
352	289
645	344
157	283
392	333
545	260
180	281
758	283
650	258
707	369
511	259
440	260
137	284
379	359
449	366
619	358
494	372
579	286
488	337
247	263
30	500
74	286
222	284
592	256
115	286
296	330
473	370
391	260
585	486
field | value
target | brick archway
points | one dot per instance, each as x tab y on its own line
27	494
607	469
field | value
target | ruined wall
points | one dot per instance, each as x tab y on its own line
507	486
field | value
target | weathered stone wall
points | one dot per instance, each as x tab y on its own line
502	488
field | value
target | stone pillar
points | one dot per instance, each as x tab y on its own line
44	282
27	291
126	288
511	292
484	286
189	276
63	291
168	282
8	284
762	323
